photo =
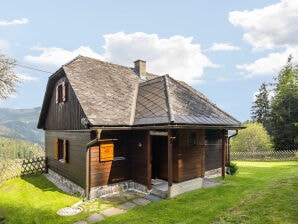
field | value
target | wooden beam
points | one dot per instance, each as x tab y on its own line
224	153
170	162
149	165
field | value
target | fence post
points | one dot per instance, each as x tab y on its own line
46	165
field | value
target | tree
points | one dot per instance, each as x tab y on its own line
8	79
261	107
284	108
251	139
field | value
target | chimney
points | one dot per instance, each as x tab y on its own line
140	68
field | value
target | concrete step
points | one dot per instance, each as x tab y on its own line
159	193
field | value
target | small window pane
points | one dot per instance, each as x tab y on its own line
192	139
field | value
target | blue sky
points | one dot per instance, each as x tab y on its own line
224	49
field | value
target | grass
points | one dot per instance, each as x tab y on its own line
262	192
33	200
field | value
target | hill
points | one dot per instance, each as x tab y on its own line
21	124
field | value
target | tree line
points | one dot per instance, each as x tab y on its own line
274	115
19	149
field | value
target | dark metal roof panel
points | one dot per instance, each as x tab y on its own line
151	105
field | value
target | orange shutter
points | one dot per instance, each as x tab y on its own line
65	147
106	151
56	142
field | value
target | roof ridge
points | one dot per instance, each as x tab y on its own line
134	104
168	96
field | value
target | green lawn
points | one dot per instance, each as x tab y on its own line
261	192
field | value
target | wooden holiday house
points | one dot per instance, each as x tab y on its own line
109	127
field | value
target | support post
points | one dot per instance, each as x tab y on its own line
170	162
224	153
149	165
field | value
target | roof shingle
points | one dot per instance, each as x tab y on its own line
114	95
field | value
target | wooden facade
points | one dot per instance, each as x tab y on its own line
156	128
138	156
65	115
75	167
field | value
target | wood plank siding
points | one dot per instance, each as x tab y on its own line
64	115
139	152
75	167
189	159
213	149
113	171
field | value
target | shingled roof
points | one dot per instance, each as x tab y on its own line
114	95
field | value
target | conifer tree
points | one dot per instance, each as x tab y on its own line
284	108
260	110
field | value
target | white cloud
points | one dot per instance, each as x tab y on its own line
58	56
269	27
264	66
176	55
25	78
223	47
269	65
273	27
14	22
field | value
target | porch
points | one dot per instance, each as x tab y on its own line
160	187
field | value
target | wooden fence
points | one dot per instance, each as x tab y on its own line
15	168
33	166
265	156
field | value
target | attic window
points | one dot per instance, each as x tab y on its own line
61	92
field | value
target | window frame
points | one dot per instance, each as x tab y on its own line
61	92
61	150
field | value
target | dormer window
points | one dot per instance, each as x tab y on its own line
61	92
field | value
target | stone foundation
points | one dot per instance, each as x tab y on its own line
213	173
103	191
64	184
95	192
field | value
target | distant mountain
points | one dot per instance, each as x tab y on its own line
21	124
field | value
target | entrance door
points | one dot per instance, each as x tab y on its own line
159	157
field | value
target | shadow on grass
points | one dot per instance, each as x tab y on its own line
41	182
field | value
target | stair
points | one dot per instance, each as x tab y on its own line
159	193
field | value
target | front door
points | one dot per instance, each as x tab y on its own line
159	157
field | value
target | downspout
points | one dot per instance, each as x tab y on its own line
88	147
228	153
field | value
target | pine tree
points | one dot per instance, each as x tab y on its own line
284	111
260	110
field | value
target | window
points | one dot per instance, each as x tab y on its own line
61	150
192	139
61	92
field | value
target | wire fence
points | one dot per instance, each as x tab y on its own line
286	155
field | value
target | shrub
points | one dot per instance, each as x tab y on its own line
232	169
